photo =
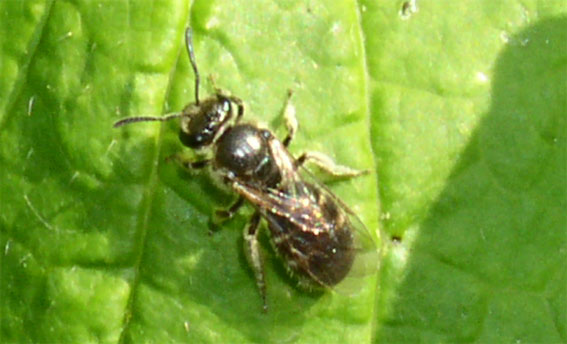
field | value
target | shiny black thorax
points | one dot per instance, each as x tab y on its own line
243	153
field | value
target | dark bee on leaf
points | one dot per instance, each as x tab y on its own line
319	238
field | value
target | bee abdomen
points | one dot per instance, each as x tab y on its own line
323	258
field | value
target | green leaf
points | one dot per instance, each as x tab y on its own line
458	109
468	116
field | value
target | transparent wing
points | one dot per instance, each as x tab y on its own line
367	259
308	205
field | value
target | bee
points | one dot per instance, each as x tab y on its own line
317	236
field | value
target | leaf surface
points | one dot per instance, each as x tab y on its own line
457	109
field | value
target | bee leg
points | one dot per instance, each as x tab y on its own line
226	214
328	165
239	105
290	119
252	249
190	165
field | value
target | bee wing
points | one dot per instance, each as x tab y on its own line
364	239
274	202
367	258
299	202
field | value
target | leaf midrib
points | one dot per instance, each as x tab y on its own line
148	200
367	109
9	111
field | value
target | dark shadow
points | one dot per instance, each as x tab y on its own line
489	259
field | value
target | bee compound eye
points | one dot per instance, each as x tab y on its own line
195	141
266	133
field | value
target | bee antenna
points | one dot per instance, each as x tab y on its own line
189	45
146	119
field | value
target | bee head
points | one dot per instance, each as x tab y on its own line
201	122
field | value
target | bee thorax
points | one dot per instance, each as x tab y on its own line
243	151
